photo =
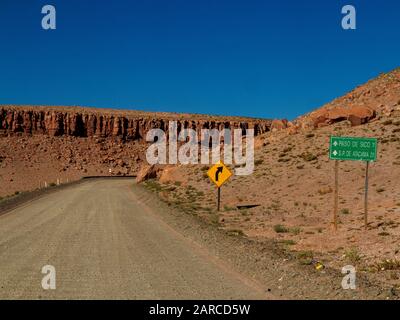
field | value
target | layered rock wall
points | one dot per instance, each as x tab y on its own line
90	124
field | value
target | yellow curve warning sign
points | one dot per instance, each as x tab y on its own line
219	173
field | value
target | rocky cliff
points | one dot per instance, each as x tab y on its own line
129	125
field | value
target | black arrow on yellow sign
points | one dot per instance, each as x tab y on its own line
218	172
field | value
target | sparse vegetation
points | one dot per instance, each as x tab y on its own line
235	232
388	264
278	228
228	208
352	255
295	230
345	211
308	156
153	185
305	257
288	242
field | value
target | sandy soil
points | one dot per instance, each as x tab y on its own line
292	187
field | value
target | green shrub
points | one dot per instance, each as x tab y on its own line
295	230
289	242
278	228
352	255
305	257
345	211
388	264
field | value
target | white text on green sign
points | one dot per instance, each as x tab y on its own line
353	148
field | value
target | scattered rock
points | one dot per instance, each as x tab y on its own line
147	172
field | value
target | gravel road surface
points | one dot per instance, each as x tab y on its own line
105	242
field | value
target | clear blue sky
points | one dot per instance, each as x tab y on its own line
273	59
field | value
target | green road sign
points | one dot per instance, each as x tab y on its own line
351	148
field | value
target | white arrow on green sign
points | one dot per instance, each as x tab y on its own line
352	148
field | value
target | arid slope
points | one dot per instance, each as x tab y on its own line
293	183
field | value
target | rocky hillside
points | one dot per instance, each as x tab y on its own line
129	125
378	97
289	197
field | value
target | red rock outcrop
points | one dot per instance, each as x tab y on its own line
55	121
356	115
148	172
377	97
279	124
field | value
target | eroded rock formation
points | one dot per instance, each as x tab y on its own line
88	123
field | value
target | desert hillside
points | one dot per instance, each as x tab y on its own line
289	197
379	96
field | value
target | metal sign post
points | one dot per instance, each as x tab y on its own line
336	195
366	196
219	199
219	174
357	149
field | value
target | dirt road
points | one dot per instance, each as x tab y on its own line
106	243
